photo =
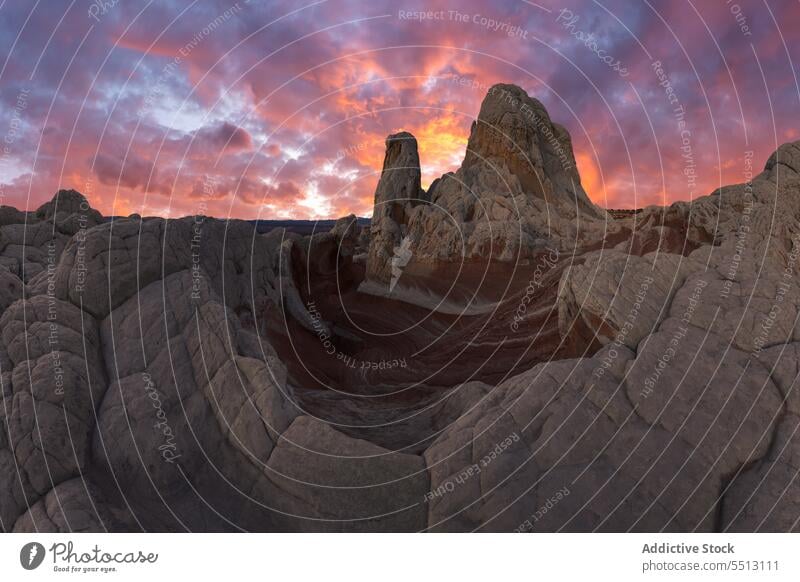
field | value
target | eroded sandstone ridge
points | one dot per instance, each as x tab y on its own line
537	366
398	192
517	189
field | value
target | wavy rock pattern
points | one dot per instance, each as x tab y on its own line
540	365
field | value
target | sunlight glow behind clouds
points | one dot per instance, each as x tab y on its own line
353	84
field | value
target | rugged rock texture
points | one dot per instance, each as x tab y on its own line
517	189
398	192
195	374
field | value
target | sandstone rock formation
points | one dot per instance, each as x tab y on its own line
398	192
517	188
632	373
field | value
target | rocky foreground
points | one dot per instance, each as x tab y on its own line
493	354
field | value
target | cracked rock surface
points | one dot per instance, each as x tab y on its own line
525	374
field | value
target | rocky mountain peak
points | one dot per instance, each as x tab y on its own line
64	201
788	156
401	174
515	130
70	211
398	191
517	188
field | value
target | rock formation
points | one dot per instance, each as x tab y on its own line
398	192
517	188
631	373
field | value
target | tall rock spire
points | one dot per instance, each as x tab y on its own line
517	191
397	193
515	130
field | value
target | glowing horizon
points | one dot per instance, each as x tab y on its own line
272	111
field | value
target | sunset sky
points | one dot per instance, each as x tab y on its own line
268	109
